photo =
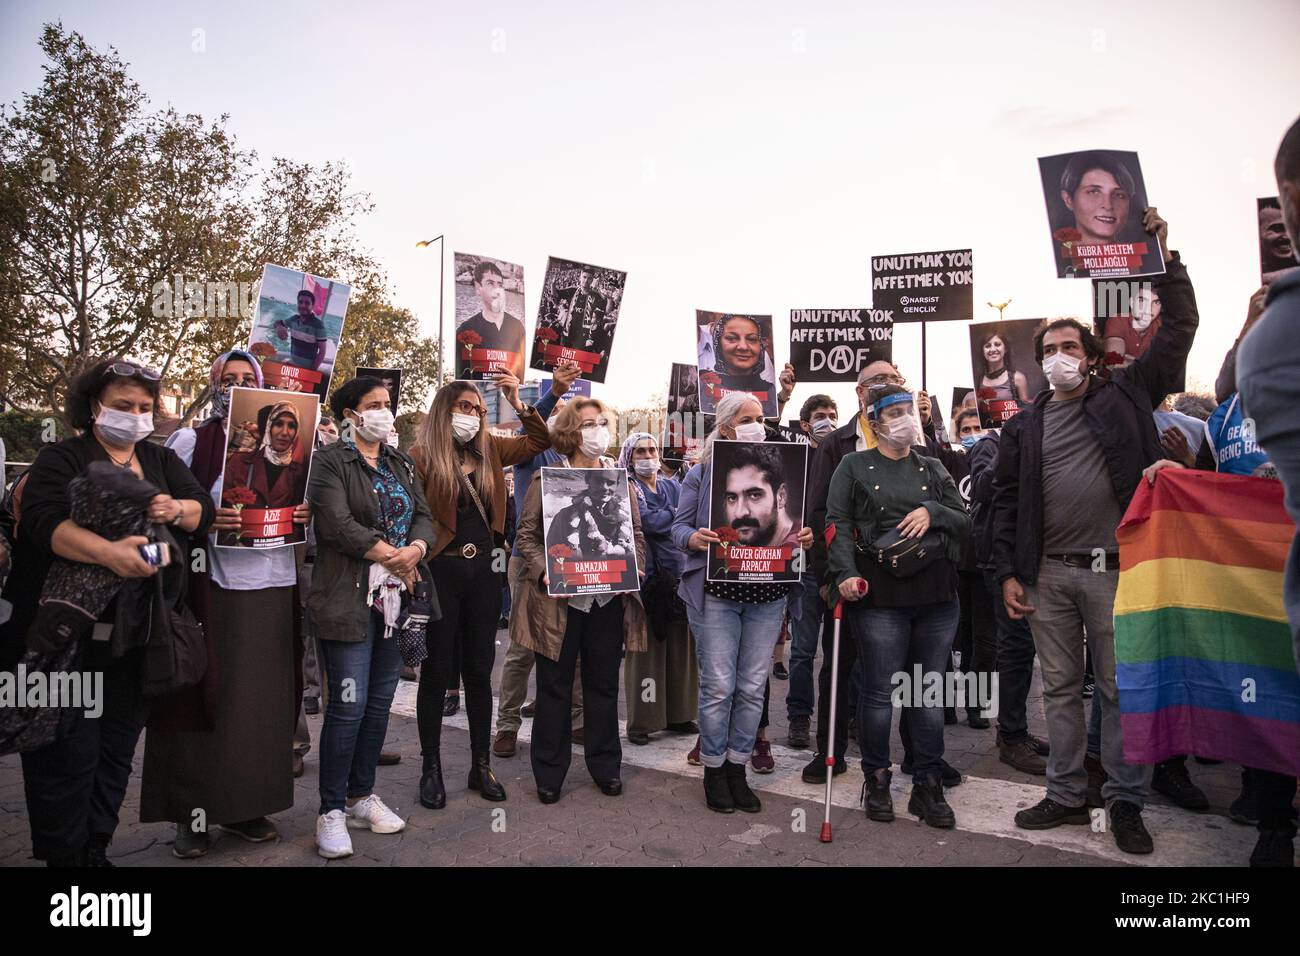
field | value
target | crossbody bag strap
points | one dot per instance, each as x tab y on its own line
469	487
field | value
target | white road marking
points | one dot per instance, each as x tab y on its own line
982	805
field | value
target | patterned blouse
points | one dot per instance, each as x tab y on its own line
395	506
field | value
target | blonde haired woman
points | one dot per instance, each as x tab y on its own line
558	630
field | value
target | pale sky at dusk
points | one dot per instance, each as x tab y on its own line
740	156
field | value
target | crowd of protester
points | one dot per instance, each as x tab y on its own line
1012	557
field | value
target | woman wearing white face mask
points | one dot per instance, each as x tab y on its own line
373	529
221	745
736	626
76	784
904	608
559	630
669	661
460	466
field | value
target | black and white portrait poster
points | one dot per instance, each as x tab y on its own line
587	519
1095	201
684	429
924	286
577	316
269	443
756	501
392	379
1276	254
489	309
833	345
735	355
1006	375
297	328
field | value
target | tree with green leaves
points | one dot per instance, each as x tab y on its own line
104	203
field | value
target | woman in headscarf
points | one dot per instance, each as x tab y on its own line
669	661
221	754
739	355
271	472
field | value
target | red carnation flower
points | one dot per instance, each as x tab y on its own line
548	333
469	337
238	497
1067	234
560	551
728	534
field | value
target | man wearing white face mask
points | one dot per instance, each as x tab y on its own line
1068	466
818	418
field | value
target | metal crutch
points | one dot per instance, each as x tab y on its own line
830	724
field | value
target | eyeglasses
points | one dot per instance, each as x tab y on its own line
595	423
468	408
889	378
131	370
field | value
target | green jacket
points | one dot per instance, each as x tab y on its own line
345	513
870	494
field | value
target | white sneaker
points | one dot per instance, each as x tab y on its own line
372	813
332	840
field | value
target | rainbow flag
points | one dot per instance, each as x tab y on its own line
1202	644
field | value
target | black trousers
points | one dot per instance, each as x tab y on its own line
1015	663
1276	794
469	592
75	786
976	628
596	635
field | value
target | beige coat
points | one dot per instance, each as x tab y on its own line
539	620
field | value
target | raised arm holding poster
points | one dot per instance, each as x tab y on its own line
1006	375
489	332
735	355
757	501
833	345
1095	200
297	328
269	442
577	316
587	521
924	286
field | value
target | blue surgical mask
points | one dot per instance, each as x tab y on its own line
968	441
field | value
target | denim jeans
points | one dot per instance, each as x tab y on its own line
891	640
803	648
357	716
734	644
1068	602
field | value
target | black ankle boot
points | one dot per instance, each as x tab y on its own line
744	798
482	779
717	793
875	796
432	792
97	851
927	802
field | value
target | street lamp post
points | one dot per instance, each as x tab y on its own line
442	260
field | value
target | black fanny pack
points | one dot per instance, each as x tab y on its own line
903	557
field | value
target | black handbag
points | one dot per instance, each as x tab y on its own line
175	656
903	557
